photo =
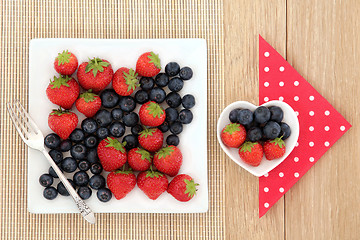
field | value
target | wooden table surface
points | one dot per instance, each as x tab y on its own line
321	39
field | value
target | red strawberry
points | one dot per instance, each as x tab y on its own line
62	122
182	188
151	114
233	135
148	64
66	63
95	74
151	139
274	148
111	153
251	153
88	103
168	160
125	81
139	159
153	184
121	182
63	91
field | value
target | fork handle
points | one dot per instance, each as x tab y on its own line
82	206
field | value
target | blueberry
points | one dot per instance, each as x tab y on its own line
52	141
77	135
272	130
109	98
50	193
262	115
78	151
84	192
69	165
97	181
81	178
117	114
56	155
117	129
131	141
172	140
130	119
157	95
141	96
127	104
185	116
92	156
135	130
254	134
172	69
245	116
186	73
65	145
285	130
103	118
162	80
46	180
84	165
104	194
188	101
233	115
146	83
176	127
251	125
89	125
62	190
277	114
53	173
175	84
171	114
173	99
96	168
164	127
90	141
102	132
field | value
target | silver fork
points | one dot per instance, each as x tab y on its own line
33	137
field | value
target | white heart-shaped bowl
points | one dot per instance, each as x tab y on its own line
265	166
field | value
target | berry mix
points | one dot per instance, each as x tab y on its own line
97	146
257	133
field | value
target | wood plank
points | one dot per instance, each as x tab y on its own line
243	21
323	44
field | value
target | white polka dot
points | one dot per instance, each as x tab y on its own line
296	159
311	144
296	175
311	128
266	69
281	174
266	175
311	159
297	144
327	113
281	189
281	84
266	99
342	128
311	113
311	98
296	83
296	98
266	205
297	113
266	54
266	84
327	128
326	144
281	69
281	99
266	189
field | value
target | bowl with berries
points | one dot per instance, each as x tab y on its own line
258	138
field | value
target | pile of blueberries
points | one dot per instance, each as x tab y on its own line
116	114
262	124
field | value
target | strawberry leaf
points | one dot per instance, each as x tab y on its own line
63	57
155	110
144	154
164	152
131	80
278	141
147	132
247	146
112	142
123	171
97	65
88	96
190	187
59	81
232	127
154	58
59	112
153	174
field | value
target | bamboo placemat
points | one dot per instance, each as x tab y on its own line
24	20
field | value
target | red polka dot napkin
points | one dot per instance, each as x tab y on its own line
320	124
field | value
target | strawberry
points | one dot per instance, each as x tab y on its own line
125	81
151	139
63	91
168	160
95	74
182	188
88	103
121	182
152	183
251	153
139	159
151	114
66	63
274	148
148	64
111	153
233	135
62	122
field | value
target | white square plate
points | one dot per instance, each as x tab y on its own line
122	53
